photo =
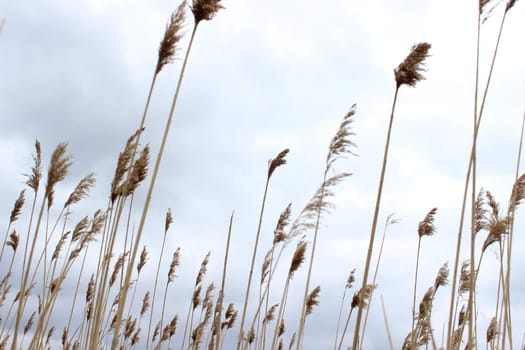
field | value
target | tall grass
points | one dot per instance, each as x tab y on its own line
115	304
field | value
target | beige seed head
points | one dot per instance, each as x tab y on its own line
277	162
17	208
81	191
205	9
409	71
427	227
172	35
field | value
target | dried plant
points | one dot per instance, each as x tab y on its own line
33	179
409	72
277	161
312	300
427	227
205	9
169	220
58	169
172	35
492	330
19	203
81	191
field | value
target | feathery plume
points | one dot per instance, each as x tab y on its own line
60	245
80	229
492	330
33	180
312	300
203	269
409	71
143	259
13	241
169	220
58	169
284	219
17	208
205	9
518	193
464	279
298	257
145	304
123	161
118	266
427	227
174	263
442	276
90	289
30	322
139	171
351	279
81	191
172	35
277	162
340	144
480	213
270	313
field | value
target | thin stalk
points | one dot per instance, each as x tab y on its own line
310	265
26	269
129	271
390	220
252	264
355	344
469	170
155	291
390	343
415	290
474	190
221	292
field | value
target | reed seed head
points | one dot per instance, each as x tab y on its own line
205	9
13	241
427	227
298	258
270	313
442	276
169	220
143	259
145	304
409	72
492	330
139	171
175	261
250	337
510	4
203	269
17	208
58	169
172	35
284	219
341	145
518	193
123	164
33	180
30	322
351	279
81	191
90	293
312	300
277	162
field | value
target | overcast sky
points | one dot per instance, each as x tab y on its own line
264	76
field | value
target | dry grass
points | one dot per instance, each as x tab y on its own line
56	255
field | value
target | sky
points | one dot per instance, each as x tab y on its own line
262	77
